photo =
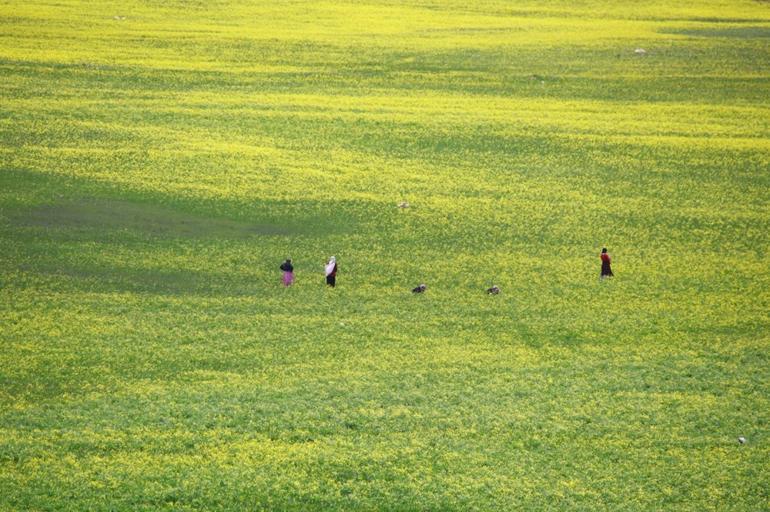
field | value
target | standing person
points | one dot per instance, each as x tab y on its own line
606	269
331	272
288	272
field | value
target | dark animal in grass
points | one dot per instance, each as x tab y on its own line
419	289
493	291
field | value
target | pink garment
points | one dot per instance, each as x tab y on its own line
288	278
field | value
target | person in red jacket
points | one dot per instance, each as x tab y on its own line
606	269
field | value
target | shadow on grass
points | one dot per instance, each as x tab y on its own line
82	208
143	219
750	32
114	279
71	233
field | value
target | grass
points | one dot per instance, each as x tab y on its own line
158	161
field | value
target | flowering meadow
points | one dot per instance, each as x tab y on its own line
160	159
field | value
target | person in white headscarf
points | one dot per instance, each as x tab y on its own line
331	272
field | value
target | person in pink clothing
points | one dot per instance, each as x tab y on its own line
288	272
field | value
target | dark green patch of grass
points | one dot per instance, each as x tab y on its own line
110	216
750	32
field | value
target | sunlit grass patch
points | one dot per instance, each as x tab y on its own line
158	162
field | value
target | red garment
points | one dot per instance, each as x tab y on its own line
605	257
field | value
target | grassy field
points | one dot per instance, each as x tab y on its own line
159	160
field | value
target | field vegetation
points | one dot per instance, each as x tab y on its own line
159	160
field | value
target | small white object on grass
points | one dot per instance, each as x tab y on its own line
403	204
741	439
640	51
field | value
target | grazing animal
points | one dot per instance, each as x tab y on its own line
493	291
420	289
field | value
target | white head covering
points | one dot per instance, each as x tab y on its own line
330	265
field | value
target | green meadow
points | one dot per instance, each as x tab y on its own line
159	160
